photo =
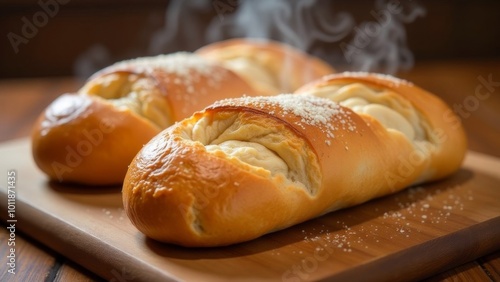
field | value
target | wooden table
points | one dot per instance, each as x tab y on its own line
463	85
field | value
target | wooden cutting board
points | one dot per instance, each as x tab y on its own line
406	236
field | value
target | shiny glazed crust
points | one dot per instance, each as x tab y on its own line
84	139
274	67
193	186
137	99
186	81
444	143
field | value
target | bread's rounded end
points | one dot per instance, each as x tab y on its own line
85	140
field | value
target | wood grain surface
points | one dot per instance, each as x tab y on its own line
59	259
409	235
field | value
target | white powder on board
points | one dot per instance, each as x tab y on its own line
119	212
415	206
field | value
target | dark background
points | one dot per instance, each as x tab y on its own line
85	35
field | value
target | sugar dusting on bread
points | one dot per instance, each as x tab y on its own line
191	74
186	66
312	111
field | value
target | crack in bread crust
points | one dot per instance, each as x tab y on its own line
133	92
259	142
255	72
392	111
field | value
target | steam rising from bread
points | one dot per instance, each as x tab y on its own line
297	23
316	27
384	48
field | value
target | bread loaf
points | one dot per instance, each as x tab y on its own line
91	136
245	167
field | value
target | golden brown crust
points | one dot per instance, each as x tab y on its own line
189	83
135	98
178	191
86	140
287	68
446	136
